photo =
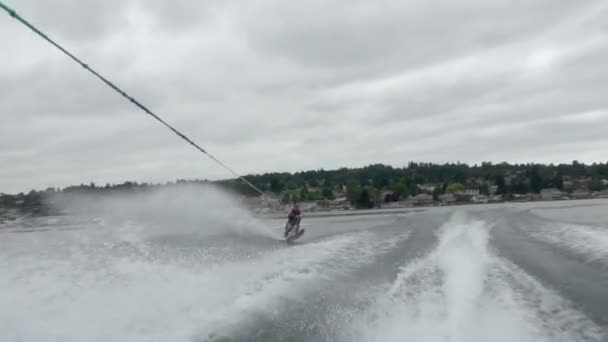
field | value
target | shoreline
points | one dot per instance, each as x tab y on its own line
403	210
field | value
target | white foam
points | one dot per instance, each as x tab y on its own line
588	241
461	291
548	315
180	209
83	296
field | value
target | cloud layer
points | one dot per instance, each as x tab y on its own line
283	86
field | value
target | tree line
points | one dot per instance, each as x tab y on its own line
363	187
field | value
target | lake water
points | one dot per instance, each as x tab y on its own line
152	271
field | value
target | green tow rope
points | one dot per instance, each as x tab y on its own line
15	15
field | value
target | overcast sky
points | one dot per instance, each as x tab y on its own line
294	85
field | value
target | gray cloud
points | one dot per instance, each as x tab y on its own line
73	20
181	14
403	33
286	86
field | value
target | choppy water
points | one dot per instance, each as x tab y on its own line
532	272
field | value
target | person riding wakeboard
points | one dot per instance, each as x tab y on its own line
293	220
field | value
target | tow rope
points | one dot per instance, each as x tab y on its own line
15	15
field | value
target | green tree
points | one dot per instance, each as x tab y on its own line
436	192
291	185
313	183
276	185
328	193
375	195
558	181
286	197
444	187
369	197
304	194
353	191
501	185
519	186
290	197
315	196
536	181
455	187
596	185
400	189
364	200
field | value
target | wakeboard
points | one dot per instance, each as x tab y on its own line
295	237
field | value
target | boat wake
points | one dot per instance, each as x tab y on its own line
462	291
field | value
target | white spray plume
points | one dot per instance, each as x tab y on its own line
181	208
